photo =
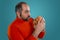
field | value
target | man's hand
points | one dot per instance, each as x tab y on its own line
39	25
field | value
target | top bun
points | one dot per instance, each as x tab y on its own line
39	18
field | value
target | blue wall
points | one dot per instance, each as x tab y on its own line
49	9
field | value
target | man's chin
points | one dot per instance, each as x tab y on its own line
25	19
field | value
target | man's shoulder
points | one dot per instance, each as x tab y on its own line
13	23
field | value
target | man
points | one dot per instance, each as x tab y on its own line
22	28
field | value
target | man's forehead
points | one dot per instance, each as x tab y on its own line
25	7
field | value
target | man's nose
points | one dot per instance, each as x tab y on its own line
28	14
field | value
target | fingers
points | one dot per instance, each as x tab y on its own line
35	22
40	19
43	22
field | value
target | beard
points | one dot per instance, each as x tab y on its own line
25	19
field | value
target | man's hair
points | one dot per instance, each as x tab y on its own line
19	6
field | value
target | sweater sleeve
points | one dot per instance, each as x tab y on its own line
41	35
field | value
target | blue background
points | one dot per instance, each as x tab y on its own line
49	9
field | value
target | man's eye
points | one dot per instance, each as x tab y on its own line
26	11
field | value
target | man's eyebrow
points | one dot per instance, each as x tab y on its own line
27	10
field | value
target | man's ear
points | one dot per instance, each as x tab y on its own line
18	13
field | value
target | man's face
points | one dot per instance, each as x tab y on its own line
25	12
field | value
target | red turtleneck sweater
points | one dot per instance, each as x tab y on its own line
22	30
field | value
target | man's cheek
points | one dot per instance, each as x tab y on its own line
26	16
